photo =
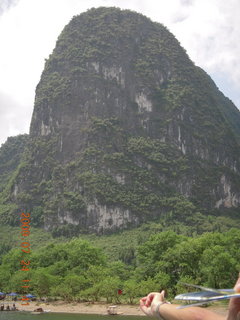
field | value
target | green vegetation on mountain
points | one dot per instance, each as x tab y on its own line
10	157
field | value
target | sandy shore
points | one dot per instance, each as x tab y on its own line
96	308
90	308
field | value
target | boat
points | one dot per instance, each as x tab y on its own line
40	311
112	311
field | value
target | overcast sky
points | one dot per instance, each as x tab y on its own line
208	29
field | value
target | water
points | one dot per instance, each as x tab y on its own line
8	315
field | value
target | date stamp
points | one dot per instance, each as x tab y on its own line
26	249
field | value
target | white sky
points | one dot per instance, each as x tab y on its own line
208	29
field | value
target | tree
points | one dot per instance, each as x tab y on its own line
131	290
91	294
12	259
152	251
82	253
127	254
60	268
5	278
218	267
109	287
62	291
148	285
163	280
75	283
42	282
120	269
96	274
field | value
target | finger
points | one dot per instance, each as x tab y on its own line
237	288
149	299
144	309
152	295
148	302
142	301
237	285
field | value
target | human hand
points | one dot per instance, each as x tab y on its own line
149	303
234	304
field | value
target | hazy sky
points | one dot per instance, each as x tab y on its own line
208	29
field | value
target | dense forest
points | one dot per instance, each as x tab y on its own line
94	268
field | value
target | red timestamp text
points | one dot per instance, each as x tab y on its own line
26	249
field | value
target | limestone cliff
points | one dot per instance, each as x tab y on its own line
126	128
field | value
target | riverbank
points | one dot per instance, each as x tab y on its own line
97	308
86	308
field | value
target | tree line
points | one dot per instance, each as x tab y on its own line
78	271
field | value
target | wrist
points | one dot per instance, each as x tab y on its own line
156	311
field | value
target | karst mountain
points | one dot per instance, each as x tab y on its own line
125	129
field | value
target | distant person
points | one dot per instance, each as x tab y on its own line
154	304
2	307
8	308
14	307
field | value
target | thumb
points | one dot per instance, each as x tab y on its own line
160	297
162	294
237	285
237	288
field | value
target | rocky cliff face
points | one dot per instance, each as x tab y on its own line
126	128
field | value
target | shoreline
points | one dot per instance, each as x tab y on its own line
96	308
82	308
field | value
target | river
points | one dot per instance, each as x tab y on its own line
9	315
